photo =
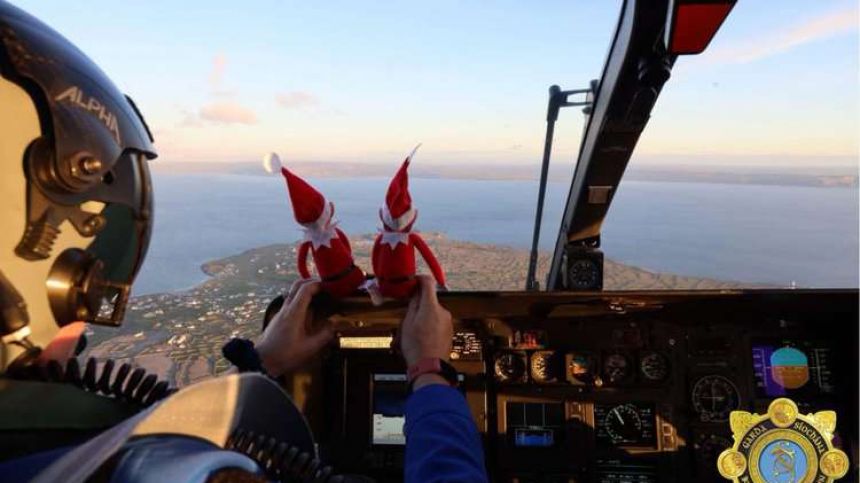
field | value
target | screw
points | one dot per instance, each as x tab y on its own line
93	224
91	165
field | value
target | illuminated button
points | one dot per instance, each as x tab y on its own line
383	342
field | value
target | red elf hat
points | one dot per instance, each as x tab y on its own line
309	205
397	212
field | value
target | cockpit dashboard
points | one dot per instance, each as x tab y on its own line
604	387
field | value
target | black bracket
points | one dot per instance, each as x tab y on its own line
557	99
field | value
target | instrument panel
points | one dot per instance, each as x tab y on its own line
625	424
609	397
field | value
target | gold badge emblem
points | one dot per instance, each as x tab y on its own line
783	446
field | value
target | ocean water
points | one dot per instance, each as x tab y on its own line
749	233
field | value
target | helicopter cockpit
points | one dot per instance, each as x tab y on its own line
568	379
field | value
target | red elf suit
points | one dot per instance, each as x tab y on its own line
328	245
394	250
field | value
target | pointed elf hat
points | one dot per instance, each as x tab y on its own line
309	205
397	212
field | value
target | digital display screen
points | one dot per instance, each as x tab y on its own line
534	425
792	368
533	438
389	409
390	392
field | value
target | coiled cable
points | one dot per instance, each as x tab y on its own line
281	461
132	386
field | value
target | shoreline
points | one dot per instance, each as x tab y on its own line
213	269
842	177
178	335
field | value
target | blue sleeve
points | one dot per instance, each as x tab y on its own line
442	442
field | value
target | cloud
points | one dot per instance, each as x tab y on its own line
823	26
221	108
297	100
227	112
189	118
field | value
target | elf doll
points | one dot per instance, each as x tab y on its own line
328	245
394	250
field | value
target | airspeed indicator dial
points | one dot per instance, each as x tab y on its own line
626	424
510	367
623	423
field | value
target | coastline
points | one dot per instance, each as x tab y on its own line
825	177
178	335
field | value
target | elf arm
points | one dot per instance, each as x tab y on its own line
302	259
428	257
344	240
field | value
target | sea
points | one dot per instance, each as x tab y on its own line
757	234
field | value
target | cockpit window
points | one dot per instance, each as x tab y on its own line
745	177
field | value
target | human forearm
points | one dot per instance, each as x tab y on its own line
442	442
427	380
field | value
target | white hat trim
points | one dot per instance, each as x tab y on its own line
323	230
401	221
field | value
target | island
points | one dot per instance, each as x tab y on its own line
178	336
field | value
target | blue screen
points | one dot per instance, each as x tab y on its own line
533	438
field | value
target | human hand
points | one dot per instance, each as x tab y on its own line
288	342
427	329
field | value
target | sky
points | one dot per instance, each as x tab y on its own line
366	81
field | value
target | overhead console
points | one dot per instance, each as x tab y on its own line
608	387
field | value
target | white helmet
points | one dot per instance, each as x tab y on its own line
75	194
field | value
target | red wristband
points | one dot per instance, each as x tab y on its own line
432	365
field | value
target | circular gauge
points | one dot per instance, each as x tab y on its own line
616	368
583	274
709	446
714	398
542	366
579	368
654	366
510	366
623	424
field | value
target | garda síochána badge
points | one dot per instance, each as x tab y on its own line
783	446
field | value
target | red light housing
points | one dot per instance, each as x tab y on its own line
693	23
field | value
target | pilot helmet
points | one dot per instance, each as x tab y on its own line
76	206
